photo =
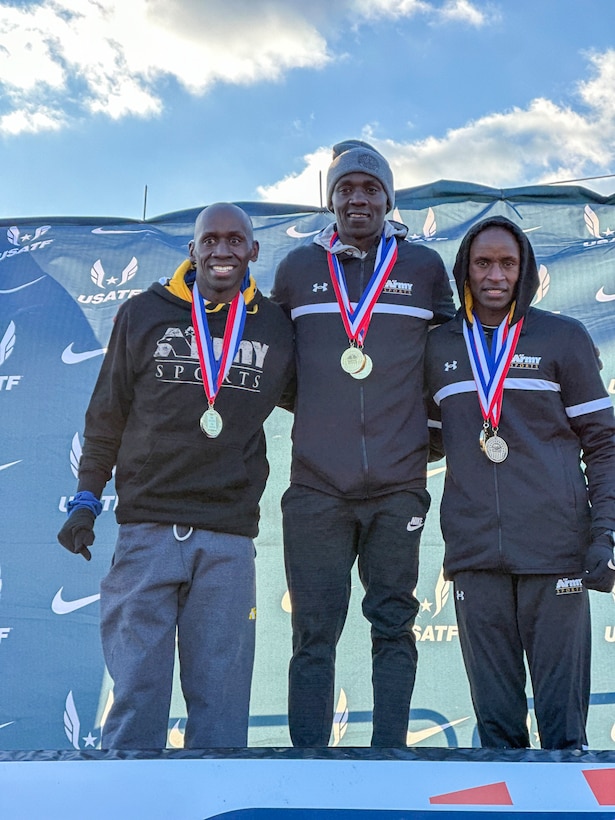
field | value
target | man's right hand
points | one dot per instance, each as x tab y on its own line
77	534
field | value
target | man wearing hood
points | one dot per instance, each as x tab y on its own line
361	299
193	369
518	404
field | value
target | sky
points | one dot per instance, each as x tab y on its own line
198	101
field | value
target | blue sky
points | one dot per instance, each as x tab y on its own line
204	100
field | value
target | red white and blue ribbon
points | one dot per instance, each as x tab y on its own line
489	367
215	369
356	320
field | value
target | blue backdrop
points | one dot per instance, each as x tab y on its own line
61	283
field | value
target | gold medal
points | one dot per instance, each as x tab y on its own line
352	360
496	449
364	371
211	423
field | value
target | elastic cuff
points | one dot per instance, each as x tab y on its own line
87	500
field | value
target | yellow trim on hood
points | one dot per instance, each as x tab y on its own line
468	304
178	287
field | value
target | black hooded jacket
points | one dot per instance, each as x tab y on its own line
144	413
538	510
352	438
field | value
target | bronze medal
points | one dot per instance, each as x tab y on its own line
352	360
211	423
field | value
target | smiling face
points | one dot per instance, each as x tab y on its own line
359	204
493	273
221	250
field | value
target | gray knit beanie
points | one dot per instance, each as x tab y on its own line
350	156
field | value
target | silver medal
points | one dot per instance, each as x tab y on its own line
211	423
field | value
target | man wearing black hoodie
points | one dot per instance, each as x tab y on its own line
517	403
193	369
362	300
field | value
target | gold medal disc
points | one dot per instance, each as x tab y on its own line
496	449
211	423
352	360
367	368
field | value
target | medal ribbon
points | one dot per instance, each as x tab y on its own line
214	369
356	321
490	367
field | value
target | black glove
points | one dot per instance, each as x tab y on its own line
600	564
77	534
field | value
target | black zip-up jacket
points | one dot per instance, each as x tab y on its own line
145	409
361	438
537	511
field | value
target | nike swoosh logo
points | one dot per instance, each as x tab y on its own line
70	357
610	564
435	471
21	287
413	527
292	231
4	725
415	738
139	230
601	296
10	464
62	607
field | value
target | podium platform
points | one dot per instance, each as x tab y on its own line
308	784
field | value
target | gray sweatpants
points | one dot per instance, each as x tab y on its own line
167	580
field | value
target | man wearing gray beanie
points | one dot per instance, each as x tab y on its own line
361	299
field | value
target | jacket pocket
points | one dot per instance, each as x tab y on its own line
178	468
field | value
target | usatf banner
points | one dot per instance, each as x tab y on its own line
62	281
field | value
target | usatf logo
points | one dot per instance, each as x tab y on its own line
25	242
450	365
109	502
567	586
324	287
402	288
525	362
72	726
7	344
177	360
99	277
430	228
592	223
435	633
544	283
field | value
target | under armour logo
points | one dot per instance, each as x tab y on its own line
450	366
323	287
460	595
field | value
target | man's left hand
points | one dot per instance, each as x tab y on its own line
600	564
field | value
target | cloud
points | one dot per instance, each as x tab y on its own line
457	11
524	146
79	57
65	59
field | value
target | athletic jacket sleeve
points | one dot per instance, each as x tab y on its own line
444	307
279	291
434	421
108	410
590	412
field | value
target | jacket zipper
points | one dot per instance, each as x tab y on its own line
497	510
